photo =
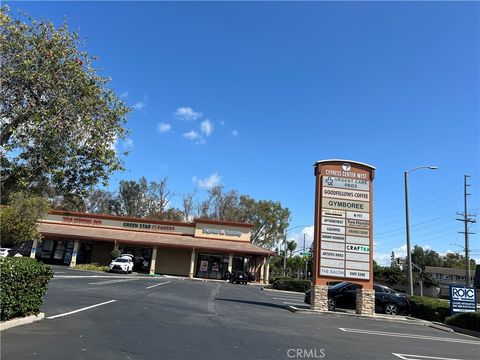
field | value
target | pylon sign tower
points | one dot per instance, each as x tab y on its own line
343	234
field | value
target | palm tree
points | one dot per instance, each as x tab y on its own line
291	246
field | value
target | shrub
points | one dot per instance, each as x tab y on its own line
91	267
429	309
23	286
470	321
115	254
290	284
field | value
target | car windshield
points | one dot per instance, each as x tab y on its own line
339	285
121	260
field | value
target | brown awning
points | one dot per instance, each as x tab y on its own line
143	238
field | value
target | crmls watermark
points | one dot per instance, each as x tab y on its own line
306	353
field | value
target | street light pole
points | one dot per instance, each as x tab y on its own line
409	253
407	224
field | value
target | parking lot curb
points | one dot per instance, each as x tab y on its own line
4	325
403	320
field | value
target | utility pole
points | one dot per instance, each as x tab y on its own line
467	218
285	255
305	258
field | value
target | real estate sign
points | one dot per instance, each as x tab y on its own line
462	299
343	222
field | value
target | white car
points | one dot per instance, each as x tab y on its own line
4	252
123	263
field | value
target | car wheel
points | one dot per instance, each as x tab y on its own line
391	309
332	304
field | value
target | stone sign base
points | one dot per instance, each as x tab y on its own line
319	298
365	302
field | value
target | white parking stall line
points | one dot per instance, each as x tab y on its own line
292	298
108	282
149	287
82	309
421	357
90	276
410	336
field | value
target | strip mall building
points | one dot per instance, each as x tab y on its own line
204	248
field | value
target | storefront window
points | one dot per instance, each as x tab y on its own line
212	266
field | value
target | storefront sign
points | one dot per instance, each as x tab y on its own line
333	221
224	232
345	183
355	265
357	274
358	240
343	221
81	220
333	229
358	232
332	254
146	226
345	194
331	237
332	272
333	213
358	215
345	204
462	299
358	223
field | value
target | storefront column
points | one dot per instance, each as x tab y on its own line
33	250
192	264
152	260
262	270
267	271
73	260
230	262
115	246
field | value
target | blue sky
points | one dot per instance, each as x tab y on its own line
251	95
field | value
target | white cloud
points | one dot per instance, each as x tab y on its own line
208	182
384	258
187	113
124	95
234	133
195	137
139	105
164	127
299	235
206	127
222	122
127	143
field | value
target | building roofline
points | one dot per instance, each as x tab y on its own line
221	222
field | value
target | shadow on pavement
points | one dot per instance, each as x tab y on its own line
259	303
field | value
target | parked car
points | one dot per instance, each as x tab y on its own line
4	252
344	295
239	277
123	263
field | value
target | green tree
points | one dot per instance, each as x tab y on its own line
58	120
393	262
269	218
19	219
133	197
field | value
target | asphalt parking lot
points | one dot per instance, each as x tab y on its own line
92	316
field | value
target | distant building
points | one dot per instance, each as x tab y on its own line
447	276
